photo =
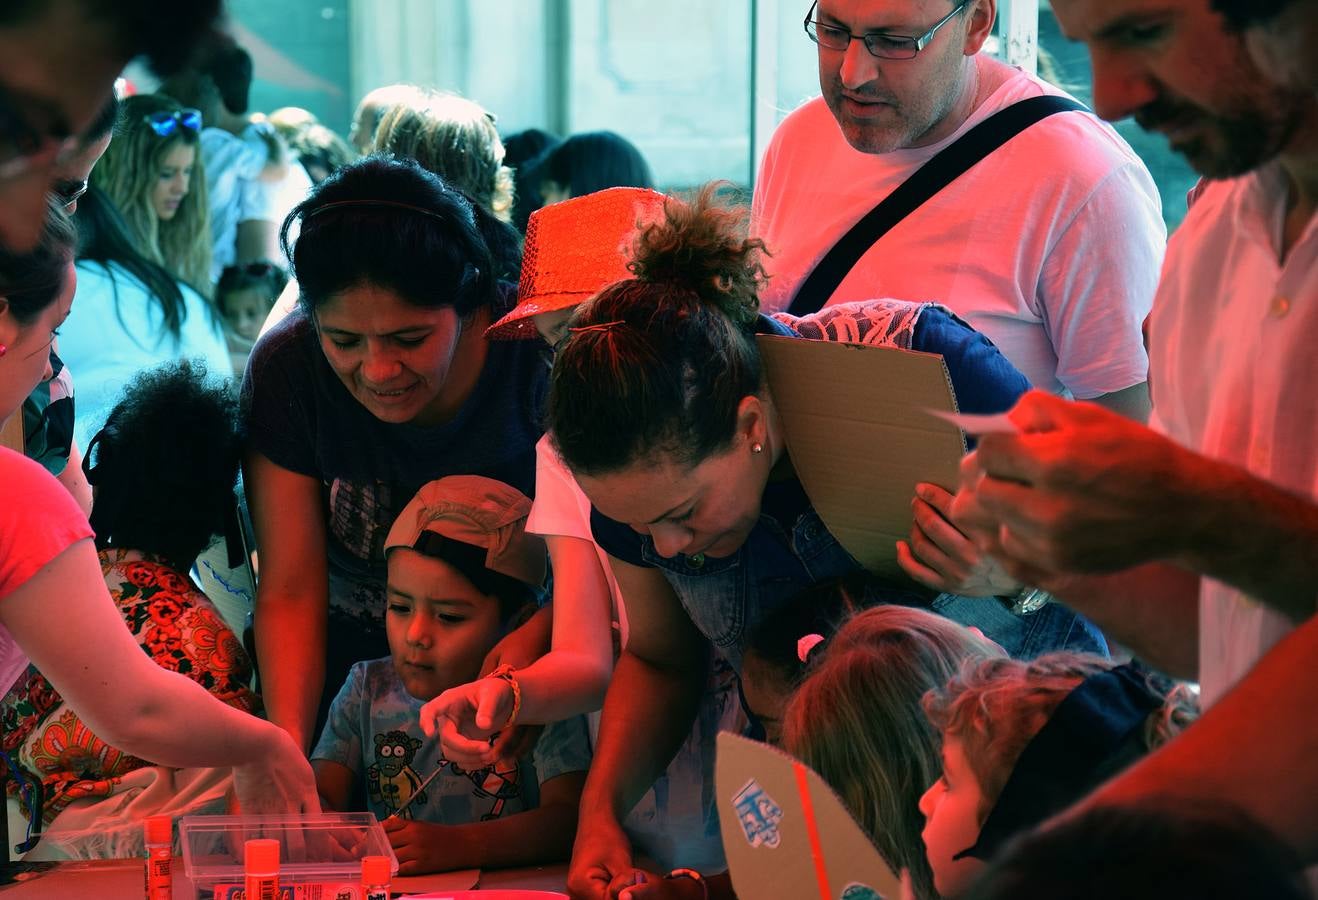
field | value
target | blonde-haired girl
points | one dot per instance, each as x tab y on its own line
856	720
152	172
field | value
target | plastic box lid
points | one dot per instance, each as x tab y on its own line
324	847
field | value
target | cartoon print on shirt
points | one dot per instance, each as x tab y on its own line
495	785
393	783
390	780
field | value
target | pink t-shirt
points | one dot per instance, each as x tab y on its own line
1234	369
1050	247
39	520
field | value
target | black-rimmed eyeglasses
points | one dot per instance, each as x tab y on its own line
878	43
67	192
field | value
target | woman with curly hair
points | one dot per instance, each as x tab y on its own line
660	408
152	173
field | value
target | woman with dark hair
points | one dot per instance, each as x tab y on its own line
583	164
380	382
660	407
520	149
132	314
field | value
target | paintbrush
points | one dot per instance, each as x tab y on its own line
421	788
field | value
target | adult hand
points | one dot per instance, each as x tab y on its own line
424	847
639	884
1079	490
939	556
278	780
464	719
600	855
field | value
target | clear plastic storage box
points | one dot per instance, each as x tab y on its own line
324	850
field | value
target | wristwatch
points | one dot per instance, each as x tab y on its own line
1028	600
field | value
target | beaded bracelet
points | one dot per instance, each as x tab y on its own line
694	876
505	672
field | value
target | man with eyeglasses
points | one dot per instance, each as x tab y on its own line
58	62
1050	245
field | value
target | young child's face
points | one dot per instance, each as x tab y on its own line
951	821
439	626
766	694
553	325
245	311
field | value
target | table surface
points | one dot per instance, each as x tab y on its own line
122	879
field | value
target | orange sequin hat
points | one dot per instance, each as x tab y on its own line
575	249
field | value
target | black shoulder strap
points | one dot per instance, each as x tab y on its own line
940	171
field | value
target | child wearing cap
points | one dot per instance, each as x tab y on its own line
1024	740
461	568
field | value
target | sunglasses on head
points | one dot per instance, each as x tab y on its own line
167	123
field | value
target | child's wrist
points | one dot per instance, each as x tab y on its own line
504	673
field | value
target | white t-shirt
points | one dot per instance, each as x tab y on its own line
106	346
273	201
1050	246
233	164
1235	376
560	508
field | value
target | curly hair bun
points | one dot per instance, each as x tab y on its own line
702	246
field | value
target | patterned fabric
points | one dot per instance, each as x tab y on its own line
177	625
374	730
48	419
882	322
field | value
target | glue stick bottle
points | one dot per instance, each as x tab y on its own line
375	878
159	857
261	866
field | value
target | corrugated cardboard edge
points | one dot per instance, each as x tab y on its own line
859	435
788	870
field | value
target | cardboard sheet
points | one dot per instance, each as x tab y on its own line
860	434
786	834
438	883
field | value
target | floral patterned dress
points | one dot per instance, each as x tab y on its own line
178	627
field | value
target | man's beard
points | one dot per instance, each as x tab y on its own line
1227	145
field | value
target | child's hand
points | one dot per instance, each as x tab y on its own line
639	884
425	847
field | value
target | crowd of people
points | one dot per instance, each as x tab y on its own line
528	534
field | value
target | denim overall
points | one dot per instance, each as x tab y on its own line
727	597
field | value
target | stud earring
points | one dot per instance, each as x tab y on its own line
3	349
757	447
